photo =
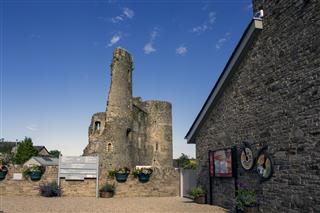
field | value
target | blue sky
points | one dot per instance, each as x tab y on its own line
55	58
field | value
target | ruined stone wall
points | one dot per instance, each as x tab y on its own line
273	98
138	147
96	139
159	133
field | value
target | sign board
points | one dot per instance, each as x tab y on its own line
222	162
17	176
79	168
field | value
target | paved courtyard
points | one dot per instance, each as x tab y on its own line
13	204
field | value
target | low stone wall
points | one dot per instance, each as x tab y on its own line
78	188
8	186
163	182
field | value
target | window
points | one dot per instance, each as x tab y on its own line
157	146
97	125
109	147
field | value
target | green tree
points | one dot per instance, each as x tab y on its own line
55	153
25	151
186	163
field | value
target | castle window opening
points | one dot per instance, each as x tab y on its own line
109	147
157	146
128	131
97	125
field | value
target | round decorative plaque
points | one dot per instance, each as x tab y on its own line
264	166
246	158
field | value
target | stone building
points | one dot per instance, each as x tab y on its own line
131	131
269	96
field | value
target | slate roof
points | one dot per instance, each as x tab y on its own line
46	161
39	148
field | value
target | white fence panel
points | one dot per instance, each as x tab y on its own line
188	180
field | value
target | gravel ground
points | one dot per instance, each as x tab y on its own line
12	204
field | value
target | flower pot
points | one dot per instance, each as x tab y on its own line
36	175
200	199
143	178
106	194
121	177
3	174
250	209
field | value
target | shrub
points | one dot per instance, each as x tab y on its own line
50	190
146	171
33	168
107	188
197	192
123	170
245	197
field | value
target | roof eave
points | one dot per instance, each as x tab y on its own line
242	47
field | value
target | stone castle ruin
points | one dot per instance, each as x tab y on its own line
131	131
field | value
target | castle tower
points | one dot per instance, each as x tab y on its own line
159	133
119	112
130	132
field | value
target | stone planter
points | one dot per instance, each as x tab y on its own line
200	199
3	174
251	209
35	176
143	178
121	178
106	194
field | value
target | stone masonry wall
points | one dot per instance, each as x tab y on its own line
273	98
8	186
163	182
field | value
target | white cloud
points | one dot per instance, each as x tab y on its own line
182	50
32	127
220	42
149	47
223	40
212	17
206	25
115	39
154	34
117	19
127	13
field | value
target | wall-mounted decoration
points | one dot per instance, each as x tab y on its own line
222	162
264	166
246	157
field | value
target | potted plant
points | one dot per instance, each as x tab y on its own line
107	191
34	172
50	190
120	174
246	200
3	170
143	174
198	194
